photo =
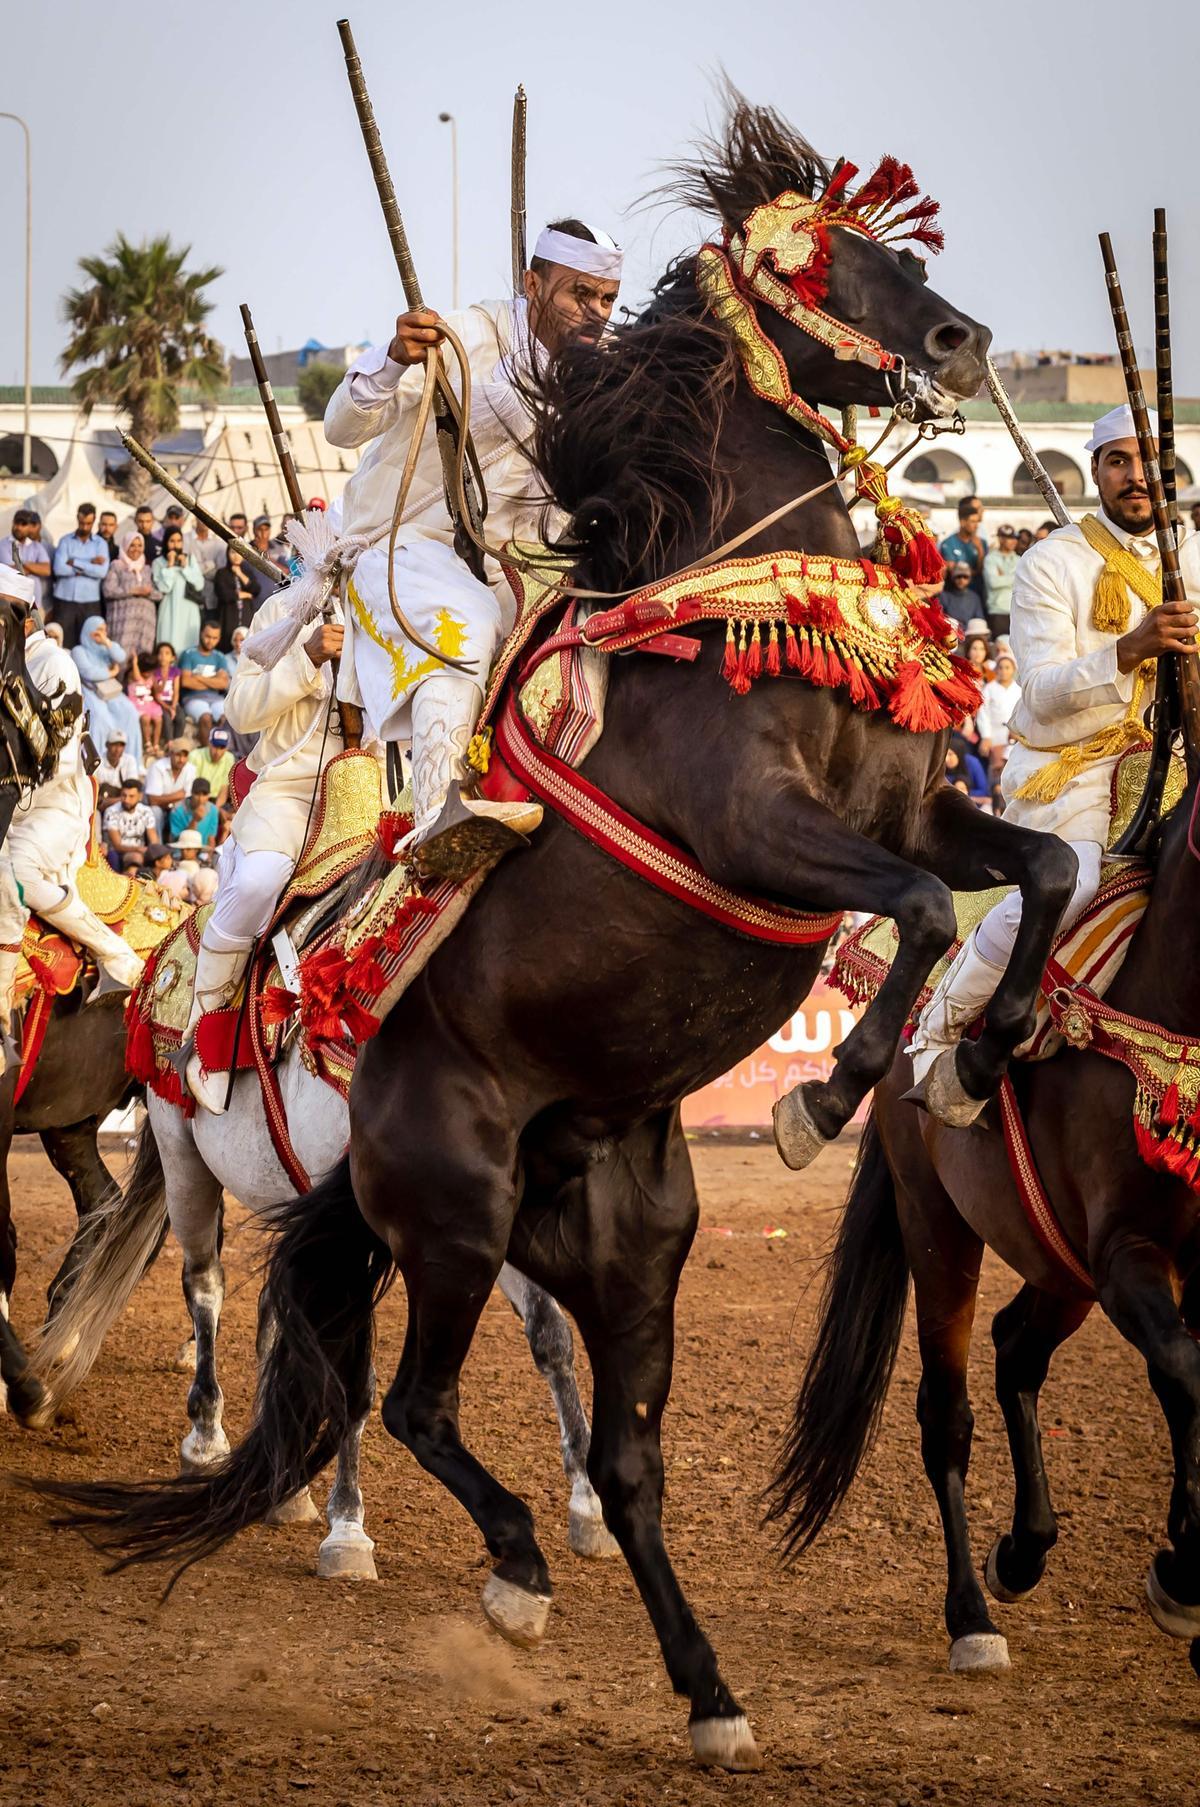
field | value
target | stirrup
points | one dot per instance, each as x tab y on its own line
105	987
460	843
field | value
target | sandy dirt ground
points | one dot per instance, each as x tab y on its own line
258	1683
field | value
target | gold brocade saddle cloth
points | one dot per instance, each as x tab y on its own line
51	966
1091	950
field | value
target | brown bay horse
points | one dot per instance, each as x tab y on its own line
925	1200
521	1100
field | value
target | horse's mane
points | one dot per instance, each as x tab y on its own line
626	432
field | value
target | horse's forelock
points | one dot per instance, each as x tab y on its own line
757	156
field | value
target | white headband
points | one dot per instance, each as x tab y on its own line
16	585
605	258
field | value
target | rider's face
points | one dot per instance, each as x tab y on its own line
1121	485
567	305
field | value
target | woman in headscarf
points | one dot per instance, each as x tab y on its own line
131	597
109	711
180	582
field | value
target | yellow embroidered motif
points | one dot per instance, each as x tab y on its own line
479	752
449	636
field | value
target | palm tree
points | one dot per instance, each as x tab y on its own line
139	331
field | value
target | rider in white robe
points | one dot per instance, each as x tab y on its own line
1077	681
570	289
48	839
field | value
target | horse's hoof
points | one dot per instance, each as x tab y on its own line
197	1453
589	1536
517	1613
347	1554
1174	1617
724	1743
996	1587
945	1097
979	1653
31	1404
297	1509
797	1138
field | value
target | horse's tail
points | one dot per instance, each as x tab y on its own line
115	1244
326	1272
858	1334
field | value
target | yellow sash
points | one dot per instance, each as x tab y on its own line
1110	615
1122	572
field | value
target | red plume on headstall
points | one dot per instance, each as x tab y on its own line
891	184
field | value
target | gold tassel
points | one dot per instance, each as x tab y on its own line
1110	603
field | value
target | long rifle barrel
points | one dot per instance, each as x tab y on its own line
1164	384
283	448
1032	462
1168	551
519	251
379	169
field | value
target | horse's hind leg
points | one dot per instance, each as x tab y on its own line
25	1395
348	1554
945	1256
613	1251
553	1349
1136	1284
441	1191
1026	1334
194	1196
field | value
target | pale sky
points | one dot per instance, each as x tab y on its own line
1036	124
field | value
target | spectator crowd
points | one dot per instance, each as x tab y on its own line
154	617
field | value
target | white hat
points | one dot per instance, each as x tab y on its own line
189	837
1118	424
16	586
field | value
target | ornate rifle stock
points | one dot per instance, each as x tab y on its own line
1164	385
1186	677
519	252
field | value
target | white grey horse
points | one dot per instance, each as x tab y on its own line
182	1168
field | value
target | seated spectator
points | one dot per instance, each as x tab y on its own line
118	766
165	688
131	599
54	632
130	830
167	876
962	762
106	795
1024	541
236	589
214	762
1001	695
958	598
977	651
999	569
168	782
201	878
100	661
197	812
204	675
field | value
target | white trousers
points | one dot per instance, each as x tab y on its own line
249	885
996	934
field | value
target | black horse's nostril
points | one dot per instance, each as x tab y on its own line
943	341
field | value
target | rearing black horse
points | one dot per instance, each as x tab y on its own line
522	1098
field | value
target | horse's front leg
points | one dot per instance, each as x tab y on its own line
802	851
972	851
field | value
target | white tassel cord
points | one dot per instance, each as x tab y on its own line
324	553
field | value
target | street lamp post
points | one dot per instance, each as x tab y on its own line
27	452
449	119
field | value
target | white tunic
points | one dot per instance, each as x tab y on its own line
49	835
375	406
287	708
1071	686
